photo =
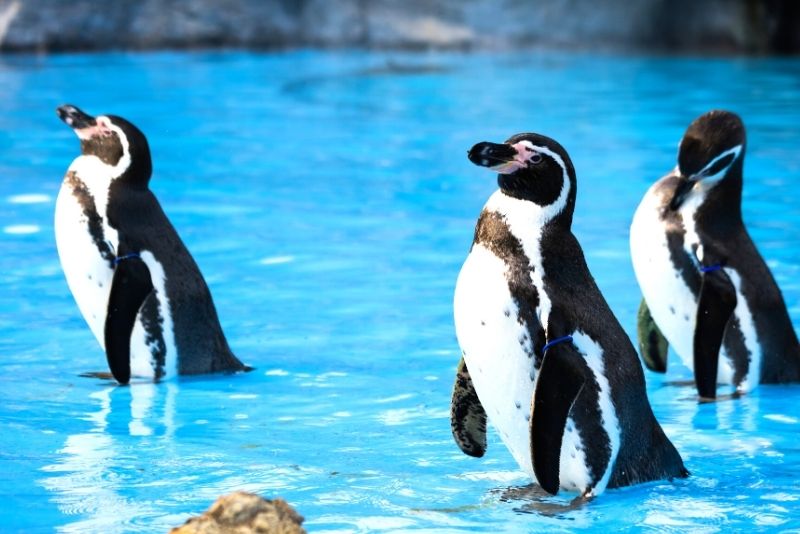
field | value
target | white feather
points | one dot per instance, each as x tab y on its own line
573	475
88	274
525	220
141	351
593	353
748	329
488	332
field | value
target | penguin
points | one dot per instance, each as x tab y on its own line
707	291
543	357
133	279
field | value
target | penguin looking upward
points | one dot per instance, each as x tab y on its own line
134	281
707	291
543	356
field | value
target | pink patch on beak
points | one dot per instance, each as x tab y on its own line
520	160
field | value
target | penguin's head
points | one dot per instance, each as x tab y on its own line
531	167
114	141
711	149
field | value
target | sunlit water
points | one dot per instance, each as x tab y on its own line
329	203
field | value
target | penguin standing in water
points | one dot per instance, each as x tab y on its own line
543	356
707	291
134	281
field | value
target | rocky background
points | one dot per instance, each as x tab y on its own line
695	26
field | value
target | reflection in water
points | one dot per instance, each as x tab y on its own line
89	478
732	413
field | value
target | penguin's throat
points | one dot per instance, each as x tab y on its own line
91	167
97	130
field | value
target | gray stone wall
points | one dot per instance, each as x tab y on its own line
727	26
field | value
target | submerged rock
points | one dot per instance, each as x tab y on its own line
243	513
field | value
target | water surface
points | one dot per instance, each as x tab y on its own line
329	203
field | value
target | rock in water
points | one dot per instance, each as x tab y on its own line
244	513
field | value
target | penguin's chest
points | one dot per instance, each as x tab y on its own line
655	256
663	257
497	348
86	246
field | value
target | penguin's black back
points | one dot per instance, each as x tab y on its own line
780	360
722	227
142	225
645	453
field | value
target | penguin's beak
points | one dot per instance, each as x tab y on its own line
685	186
75	118
502	158
714	170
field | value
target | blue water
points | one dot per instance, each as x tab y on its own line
328	201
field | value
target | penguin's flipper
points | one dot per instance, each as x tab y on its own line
653	346
561	379
129	288
714	308
467	416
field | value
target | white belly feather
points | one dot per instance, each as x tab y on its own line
504	375
672	304
89	275
489	333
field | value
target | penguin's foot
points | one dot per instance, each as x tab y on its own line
706	400
541	502
522	493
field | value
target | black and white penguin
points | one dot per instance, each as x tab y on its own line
543	356
707	291
133	279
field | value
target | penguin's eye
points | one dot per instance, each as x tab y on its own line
536	158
